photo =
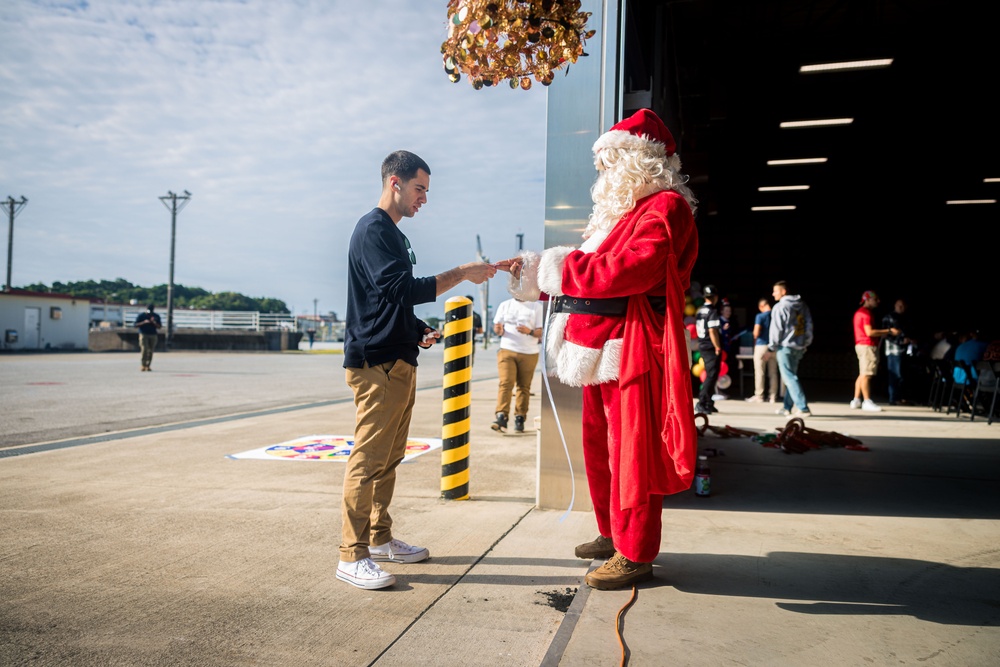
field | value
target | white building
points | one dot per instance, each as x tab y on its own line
41	321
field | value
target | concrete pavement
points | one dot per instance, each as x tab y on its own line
136	541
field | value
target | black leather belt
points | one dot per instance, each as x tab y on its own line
615	307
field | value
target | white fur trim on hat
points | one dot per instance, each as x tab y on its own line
631	142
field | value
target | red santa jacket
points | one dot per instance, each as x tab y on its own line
649	252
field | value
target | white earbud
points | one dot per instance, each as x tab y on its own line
396	185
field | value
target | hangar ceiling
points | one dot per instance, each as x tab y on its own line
923	132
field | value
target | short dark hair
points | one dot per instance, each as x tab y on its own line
782	284
150	306
403	164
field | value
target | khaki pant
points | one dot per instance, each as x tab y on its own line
384	397
761	369
515	368
147	343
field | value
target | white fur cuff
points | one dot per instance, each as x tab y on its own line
550	269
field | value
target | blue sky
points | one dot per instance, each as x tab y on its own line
276	117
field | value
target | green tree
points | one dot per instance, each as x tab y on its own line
122	291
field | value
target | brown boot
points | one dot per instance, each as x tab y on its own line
619	572
602	547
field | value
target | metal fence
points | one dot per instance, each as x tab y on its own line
123	316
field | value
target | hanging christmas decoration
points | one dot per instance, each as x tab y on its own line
514	40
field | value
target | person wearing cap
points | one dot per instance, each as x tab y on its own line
617	332
708	328
789	336
866	341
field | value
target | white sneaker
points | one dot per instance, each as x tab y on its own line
398	551
801	413
783	412
870	406
855	403
364	574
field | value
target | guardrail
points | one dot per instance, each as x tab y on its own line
194	319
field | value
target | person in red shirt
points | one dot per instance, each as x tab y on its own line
866	346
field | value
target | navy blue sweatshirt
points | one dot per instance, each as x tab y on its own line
381	293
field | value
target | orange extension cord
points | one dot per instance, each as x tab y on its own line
618	624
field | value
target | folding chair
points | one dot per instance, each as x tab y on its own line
960	393
986	384
941	375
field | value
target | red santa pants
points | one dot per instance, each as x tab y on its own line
636	531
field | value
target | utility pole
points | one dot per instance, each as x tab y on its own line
520	241
13	208
174	209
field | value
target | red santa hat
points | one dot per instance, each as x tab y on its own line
642	131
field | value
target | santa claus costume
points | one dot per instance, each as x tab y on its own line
617	331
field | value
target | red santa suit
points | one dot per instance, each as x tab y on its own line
635	364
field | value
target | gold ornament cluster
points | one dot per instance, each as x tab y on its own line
495	40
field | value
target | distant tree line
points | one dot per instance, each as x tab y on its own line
122	291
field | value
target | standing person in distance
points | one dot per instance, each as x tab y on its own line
866	347
519	325
763	369
708	327
477	327
896	351
790	335
381	343
149	324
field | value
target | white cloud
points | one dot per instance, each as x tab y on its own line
276	116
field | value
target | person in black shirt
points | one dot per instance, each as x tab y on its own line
381	342
477	326
707	326
149	324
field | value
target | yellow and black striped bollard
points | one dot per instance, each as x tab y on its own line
457	399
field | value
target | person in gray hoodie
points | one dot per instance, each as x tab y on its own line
790	334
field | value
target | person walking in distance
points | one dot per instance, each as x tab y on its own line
382	340
708	327
790	335
149	324
519	325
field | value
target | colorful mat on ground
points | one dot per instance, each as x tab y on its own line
327	448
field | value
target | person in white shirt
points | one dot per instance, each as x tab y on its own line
519	325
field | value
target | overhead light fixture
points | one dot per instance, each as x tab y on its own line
971	201
847	65
801	160
772	208
817	123
779	188
991	180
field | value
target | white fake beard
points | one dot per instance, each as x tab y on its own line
613	198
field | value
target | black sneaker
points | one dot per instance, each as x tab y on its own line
500	424
518	424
